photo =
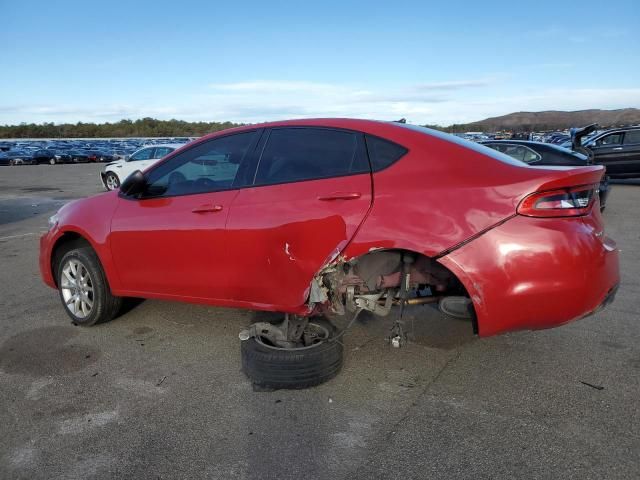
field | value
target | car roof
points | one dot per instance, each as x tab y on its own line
402	133
615	130
169	145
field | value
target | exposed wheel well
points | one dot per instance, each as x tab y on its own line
68	241
375	275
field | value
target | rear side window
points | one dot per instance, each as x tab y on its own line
632	136
383	153
162	152
613	139
296	154
144	154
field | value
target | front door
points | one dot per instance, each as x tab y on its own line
171	241
608	151
312	190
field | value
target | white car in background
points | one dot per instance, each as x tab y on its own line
114	173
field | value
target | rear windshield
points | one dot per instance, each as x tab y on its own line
489	152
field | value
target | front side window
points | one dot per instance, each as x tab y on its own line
144	154
207	167
296	154
632	136
613	139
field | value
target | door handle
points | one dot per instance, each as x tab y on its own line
618	148
207	209
340	196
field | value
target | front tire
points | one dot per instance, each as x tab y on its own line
111	181
52	161
83	287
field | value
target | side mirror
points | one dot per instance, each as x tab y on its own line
134	184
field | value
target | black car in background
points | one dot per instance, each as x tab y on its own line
618	150
19	157
61	156
78	156
538	153
44	156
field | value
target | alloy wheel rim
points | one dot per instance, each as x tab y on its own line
77	288
112	182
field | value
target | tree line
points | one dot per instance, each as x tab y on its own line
150	127
145	127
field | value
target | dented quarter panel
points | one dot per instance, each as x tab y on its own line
533	273
441	194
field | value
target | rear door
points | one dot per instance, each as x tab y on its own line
631	153
311	191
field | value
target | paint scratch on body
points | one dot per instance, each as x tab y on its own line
286	250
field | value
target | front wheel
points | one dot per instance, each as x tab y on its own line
52	161
112	181
83	288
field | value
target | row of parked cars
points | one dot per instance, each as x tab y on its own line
617	149
54	152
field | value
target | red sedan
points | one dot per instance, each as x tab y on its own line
310	216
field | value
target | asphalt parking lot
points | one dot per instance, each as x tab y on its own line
158	392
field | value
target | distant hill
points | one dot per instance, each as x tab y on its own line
552	120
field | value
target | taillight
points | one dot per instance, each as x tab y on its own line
565	202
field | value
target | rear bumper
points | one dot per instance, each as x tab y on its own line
534	273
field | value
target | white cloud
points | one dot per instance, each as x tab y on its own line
443	103
274	87
454	85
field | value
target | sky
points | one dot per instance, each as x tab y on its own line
245	61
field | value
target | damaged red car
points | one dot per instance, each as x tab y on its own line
309	217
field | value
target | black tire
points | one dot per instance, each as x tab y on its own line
274	368
105	305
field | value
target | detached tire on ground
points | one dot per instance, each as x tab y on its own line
279	368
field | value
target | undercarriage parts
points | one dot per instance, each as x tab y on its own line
380	279
456	306
293	332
